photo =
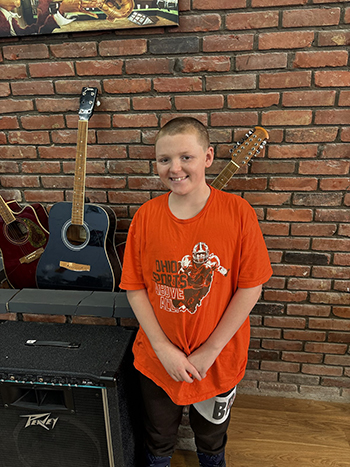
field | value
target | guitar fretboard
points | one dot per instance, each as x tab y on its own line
225	175
5	212
80	173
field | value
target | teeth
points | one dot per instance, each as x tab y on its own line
178	179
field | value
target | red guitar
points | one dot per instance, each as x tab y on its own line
23	237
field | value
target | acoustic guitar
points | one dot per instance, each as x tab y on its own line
80	254
23	238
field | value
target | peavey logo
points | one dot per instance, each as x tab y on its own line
42	419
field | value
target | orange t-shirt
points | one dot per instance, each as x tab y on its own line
190	269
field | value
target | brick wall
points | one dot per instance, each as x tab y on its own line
280	64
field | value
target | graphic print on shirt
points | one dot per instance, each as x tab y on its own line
181	286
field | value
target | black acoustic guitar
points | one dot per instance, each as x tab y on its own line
80	254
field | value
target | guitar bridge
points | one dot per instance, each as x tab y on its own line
75	266
32	256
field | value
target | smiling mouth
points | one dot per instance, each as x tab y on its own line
178	179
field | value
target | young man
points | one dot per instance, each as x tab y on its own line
194	266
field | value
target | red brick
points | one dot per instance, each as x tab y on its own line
229	82
99	67
51	69
290	151
9	167
305	309
198	23
135	120
218	4
310	135
310	336
118	136
332	299
74	49
12	72
26	52
331	244
332	117
234	118
295	79
18	152
4	89
269	199
114	104
128	197
263	61
311	17
284	296
40	122
302	357
56	105
286	214
328	79
336	151
29	137
129	167
41	167
8	123
152	103
309	284
321	59
342	312
336	184
332	215
308	230
308	98
334	38
345	134
110	48
252	101
183	84
286	40
200	64
74	86
32	88
287	117
14	106
150	66
344	98
331	271
198	102
252	20
20	181
324	167
293	184
322	370
262	3
228	43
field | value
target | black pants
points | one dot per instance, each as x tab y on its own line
162	419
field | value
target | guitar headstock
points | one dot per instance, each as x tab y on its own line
243	151
88	99
253	142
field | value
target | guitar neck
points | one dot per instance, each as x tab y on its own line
225	175
80	174
5	212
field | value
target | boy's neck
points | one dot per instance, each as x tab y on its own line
186	207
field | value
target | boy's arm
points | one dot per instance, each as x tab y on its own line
172	358
236	313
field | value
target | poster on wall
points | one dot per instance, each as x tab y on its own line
31	17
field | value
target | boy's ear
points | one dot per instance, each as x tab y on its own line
209	157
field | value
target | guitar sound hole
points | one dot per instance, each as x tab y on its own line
76	235
17	232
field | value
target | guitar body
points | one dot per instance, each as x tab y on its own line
90	263
22	242
39	209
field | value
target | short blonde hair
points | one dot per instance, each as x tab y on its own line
180	125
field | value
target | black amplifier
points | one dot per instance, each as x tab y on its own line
69	396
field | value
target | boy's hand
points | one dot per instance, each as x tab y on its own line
177	364
203	358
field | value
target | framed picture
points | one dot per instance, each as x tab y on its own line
29	17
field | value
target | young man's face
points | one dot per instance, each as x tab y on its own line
181	162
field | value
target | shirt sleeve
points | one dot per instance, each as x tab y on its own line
255	266
132	276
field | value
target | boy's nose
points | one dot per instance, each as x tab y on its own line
176	165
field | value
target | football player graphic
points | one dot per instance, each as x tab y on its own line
200	272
